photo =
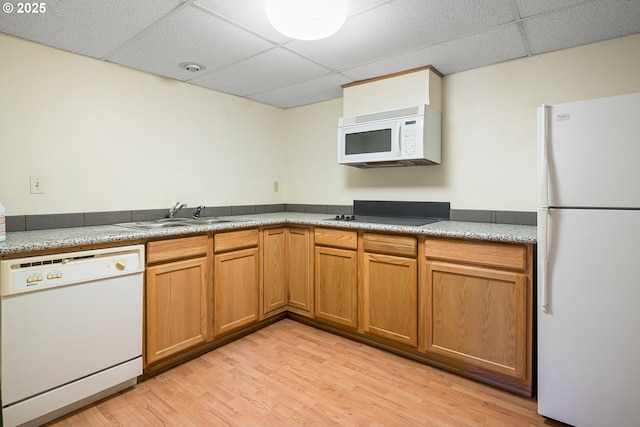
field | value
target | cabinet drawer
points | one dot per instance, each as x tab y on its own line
387	244
337	238
502	255
235	240
186	247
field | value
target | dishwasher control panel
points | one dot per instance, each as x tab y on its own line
33	273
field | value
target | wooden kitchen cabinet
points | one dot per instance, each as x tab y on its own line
178	303
287	271
300	271
236	280
390	287
336	276
478	306
274	265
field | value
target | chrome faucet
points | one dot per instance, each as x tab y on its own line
199	211
174	210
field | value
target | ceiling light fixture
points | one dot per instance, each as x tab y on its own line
307	19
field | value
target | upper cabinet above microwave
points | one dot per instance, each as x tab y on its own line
419	86
393	120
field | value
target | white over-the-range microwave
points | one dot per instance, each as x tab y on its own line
405	137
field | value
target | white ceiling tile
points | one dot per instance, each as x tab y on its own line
497	45
534	7
309	92
92	28
269	70
375	34
248	13
587	23
189	35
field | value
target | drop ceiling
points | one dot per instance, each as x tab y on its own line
242	54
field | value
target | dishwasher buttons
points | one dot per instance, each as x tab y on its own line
37	278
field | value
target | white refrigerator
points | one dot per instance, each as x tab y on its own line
588	298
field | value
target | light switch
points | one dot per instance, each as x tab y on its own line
36	184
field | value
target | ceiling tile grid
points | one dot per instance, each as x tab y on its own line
245	56
317	90
478	50
190	35
92	28
586	23
269	70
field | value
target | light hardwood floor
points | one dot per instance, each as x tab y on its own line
289	374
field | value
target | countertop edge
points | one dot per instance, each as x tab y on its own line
24	242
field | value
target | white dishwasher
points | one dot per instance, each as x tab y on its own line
71	330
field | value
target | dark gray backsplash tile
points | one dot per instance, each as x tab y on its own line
218	211
340	209
243	210
43	222
274	208
106	218
315	209
149	214
294	207
16	223
471	215
499	217
515	217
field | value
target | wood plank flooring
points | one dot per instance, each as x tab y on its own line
289	374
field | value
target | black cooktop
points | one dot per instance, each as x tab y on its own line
414	222
396	213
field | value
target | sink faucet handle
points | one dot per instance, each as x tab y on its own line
174	210
199	211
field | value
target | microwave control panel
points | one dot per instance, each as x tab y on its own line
409	137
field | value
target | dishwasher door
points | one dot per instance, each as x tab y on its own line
70	337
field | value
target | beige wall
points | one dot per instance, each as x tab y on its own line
105	137
489	132
108	138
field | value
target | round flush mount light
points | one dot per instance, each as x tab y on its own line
191	66
307	19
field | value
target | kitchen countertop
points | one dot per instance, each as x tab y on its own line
23	242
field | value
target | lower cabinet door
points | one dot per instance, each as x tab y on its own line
176	308
300	271
274	266
478	316
236	289
390	295
336	285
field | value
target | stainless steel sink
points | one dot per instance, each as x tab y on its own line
173	222
152	225
198	221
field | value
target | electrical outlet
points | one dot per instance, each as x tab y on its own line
36	184
276	186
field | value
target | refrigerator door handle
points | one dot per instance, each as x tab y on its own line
543	158
543	258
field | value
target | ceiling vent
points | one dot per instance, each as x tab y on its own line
191	66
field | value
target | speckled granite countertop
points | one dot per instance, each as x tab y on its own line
24	242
